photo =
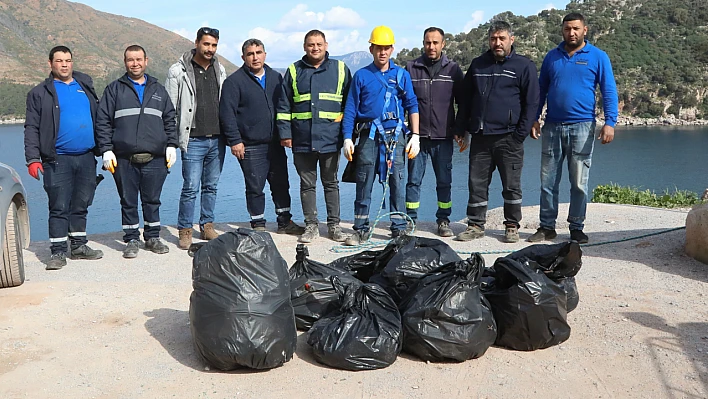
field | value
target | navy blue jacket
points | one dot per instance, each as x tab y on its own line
499	96
42	117
322	130
127	127
246	111
437	96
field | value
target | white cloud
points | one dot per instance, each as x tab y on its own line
183	32
284	42
477	18
548	6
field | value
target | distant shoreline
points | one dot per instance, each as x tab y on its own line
12	121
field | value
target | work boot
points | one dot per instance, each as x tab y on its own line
155	245
511	234
579	236
57	261
292	229
311	233
444	229
185	238
357	238
85	252
542	234
131	249
471	233
335	233
208	232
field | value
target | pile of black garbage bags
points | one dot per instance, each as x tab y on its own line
416	295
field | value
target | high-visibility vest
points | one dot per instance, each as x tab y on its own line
328	104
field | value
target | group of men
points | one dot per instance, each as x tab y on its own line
378	118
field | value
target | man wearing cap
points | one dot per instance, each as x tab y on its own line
378	98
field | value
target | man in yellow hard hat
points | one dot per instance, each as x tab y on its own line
378	98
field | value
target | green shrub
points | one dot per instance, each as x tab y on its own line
615	194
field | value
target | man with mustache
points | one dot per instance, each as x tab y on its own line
569	75
135	132
500	98
194	84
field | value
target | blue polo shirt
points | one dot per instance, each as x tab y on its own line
75	133
139	87
261	80
568	83
367	95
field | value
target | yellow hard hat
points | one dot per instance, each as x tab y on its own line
382	36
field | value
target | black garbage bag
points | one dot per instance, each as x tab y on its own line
240	309
365	264
311	290
364	333
412	258
445	317
561	262
530	309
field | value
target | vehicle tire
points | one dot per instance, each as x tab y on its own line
12	273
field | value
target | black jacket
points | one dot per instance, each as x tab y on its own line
499	96
437	96
127	127
322	130
42	117
246	111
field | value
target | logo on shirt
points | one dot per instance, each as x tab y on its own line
581	62
80	91
156	97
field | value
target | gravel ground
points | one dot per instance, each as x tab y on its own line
120	329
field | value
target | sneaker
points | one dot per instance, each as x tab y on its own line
185	238
579	236
262	229
311	233
471	233
208	232
85	252
357	238
444	229
57	261
542	234
291	228
131	249
335	233
156	246
511	234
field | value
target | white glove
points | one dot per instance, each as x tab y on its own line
465	142
348	149
170	156
109	161
413	147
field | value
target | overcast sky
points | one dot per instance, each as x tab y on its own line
281	25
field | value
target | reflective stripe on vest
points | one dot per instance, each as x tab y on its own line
308	115
336	97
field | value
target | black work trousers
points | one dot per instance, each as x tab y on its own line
306	165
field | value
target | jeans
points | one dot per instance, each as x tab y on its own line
440	154
70	183
367	152
266	162
201	163
487	152
576	142
306	165
147	180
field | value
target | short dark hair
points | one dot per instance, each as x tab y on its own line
499	25
204	30
433	29
59	49
251	42
315	32
574	16
135	47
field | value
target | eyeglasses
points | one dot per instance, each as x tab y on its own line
208	31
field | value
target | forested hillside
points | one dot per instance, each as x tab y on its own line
658	48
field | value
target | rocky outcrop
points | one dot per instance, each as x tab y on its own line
697	233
